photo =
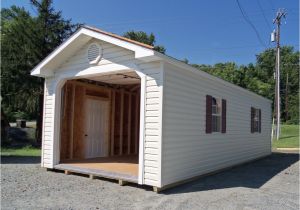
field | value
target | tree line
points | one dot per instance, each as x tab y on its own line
259	78
28	38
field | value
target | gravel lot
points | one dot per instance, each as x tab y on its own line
269	183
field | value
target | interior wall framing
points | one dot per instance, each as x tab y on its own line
124	118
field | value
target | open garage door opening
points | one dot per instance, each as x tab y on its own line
100	126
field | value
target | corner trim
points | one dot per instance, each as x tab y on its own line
142	126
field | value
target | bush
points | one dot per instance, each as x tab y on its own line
13	116
20	115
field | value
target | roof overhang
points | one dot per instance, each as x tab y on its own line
46	67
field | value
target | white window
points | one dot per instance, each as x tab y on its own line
216	115
256	121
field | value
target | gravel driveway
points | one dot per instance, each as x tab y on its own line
269	183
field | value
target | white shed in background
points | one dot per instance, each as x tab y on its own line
116	108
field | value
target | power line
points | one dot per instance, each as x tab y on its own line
250	23
174	19
263	13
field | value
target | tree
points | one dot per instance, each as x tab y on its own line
289	66
18	88
26	40
143	37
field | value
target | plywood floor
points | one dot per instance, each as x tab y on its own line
117	167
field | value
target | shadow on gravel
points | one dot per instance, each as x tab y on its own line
20	159
250	175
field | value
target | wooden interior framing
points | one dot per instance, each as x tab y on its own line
124	118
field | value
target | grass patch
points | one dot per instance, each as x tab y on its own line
24	151
289	137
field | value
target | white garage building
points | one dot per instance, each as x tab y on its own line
116	108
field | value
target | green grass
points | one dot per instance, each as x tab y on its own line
25	151
289	137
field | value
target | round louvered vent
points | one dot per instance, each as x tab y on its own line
94	53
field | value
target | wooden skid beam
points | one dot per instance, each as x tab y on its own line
156	189
122	182
67	172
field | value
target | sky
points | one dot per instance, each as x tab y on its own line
204	32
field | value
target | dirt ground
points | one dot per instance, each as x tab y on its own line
269	183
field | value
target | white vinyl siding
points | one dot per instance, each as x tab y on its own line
47	139
187	150
153	110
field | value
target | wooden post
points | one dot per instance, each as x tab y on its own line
129	125
112	128
121	122
72	121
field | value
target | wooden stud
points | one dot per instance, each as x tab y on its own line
112	132
95	87
129	125
109	124
89	86
121	122
65	92
135	88
97	98
72	121
137	109
122	182
79	123
63	134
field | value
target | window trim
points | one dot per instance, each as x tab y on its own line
218	107
222	114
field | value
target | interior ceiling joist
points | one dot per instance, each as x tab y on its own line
119	78
108	83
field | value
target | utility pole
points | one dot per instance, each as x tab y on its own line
281	13
286	97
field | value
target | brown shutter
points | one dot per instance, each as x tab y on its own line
223	116
259	120
208	113
252	119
